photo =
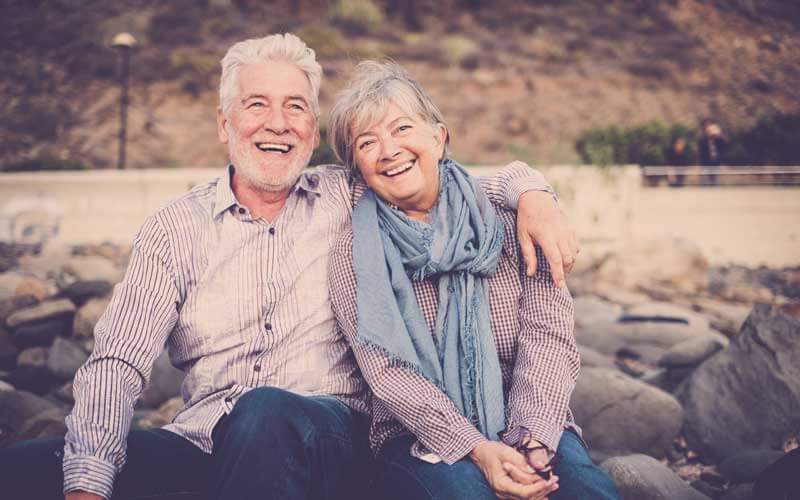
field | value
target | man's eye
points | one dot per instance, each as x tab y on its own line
297	107
255	104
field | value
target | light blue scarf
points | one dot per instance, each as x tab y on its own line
461	244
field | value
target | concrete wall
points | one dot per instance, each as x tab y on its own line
609	207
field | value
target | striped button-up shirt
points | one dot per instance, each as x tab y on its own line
532	323
238	302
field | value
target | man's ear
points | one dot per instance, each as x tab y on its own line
222	121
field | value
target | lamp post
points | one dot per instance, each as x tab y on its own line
123	43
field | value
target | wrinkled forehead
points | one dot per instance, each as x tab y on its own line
372	109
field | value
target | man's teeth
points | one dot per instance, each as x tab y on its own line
269	146
399	169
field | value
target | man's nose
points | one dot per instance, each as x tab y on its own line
276	122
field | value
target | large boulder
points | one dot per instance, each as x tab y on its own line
748	395
640	477
745	466
65	357
17	408
617	412
38	325
645	337
81	291
89	268
590	309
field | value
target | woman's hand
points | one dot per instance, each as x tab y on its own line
508	473
541	222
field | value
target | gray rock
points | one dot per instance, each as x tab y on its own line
87	316
8	351
748	395
42	333
89	268
724	316
35	379
46	424
8	284
5	386
16	408
8	306
745	466
691	352
165	383
640	477
590	309
780	480
49	309
64	393
34	356
81	291
593	359
739	492
65	358
618	412
669	310
649	340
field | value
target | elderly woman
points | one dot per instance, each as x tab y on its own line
471	361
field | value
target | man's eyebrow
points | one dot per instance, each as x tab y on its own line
253	96
298	98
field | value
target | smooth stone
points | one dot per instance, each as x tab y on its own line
591	309
616	295
669	310
641	477
724	316
8	351
738	492
81	291
691	352
16	408
90	268
46	310
745	466
165	383
8	306
49	423
32	287
753	386
8	285
42	333
64	393
780	480
648	339
593	359
5	386
65	358
87	317
617	412
35	379
33	356
163	415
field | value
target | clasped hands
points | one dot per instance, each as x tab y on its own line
513	475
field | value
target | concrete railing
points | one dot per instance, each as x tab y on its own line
610	207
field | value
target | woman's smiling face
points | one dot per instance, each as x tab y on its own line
398	156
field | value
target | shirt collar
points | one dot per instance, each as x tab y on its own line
225	197
308	181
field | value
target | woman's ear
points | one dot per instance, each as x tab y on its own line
441	138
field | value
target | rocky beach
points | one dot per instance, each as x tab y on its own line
689	387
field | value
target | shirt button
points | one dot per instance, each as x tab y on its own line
228	399
272	230
257	368
242	210
268	326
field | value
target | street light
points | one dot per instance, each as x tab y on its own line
123	43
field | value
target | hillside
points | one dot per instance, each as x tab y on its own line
514	79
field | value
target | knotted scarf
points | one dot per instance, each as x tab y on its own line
460	244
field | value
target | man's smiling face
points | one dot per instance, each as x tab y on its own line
270	128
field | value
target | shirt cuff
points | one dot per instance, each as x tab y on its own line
517	187
518	435
462	442
89	474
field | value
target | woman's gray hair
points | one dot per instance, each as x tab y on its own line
363	101
281	47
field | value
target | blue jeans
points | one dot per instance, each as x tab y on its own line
274	444
407	478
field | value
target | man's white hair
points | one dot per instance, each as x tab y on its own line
281	47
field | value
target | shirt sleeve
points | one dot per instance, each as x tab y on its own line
128	337
547	361
415	402
506	186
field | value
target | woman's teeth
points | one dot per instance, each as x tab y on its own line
399	169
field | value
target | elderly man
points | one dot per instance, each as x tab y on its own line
231	277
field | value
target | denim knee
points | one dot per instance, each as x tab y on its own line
578	476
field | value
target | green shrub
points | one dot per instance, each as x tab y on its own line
645	144
358	17
42	163
773	140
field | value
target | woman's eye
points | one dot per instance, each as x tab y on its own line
403	128
364	145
